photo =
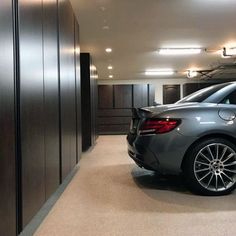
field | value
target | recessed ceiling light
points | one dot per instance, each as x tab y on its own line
108	50
160	72
179	51
110	67
110	76
105	27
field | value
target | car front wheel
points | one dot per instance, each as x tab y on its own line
210	167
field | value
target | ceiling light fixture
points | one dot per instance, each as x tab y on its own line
159	72
108	50
192	73
228	52
110	67
179	51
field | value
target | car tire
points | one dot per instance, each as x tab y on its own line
209	167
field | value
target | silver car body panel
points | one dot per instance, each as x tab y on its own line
197	120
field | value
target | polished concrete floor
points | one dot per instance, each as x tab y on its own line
110	196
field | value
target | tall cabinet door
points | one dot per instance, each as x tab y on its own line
123	96
51	96
78	92
7	137
67	87
171	93
140	95
31	105
105	96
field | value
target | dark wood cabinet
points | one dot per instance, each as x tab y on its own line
105	96
31	108
78	94
189	88
88	101
171	93
123	96
67	88
115	103
51	97
140	95
40	105
151	95
7	124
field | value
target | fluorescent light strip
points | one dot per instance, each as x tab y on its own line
159	72
179	51
227	52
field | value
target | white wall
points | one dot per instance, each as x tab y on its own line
158	83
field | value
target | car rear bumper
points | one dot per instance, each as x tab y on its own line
143	157
163	153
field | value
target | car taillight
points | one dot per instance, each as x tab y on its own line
158	126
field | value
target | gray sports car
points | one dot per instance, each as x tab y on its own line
195	136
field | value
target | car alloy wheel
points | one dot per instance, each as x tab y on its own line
215	167
209	167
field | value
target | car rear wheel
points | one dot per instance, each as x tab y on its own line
210	167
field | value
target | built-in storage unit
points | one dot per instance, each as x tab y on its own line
171	93
88	101
78	94
67	87
31	108
7	123
115	103
40	105
189	88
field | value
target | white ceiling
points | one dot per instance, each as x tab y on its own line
135	29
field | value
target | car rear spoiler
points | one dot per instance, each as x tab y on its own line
138	113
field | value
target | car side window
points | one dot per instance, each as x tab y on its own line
230	99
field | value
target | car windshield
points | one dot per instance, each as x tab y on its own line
202	94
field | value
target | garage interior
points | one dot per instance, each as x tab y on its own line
70	73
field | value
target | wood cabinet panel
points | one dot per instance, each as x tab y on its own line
114	112
151	94
7	123
123	96
89	102
114	120
105	96
113	129
120	99
32	108
67	88
78	93
140	95
171	93
51	97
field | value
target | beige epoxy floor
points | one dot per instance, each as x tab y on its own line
111	196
